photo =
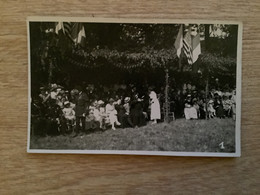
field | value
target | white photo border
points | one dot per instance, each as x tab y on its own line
237	152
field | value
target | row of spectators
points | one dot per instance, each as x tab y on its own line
59	110
219	105
80	109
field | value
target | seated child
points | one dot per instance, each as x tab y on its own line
211	110
69	113
196	106
90	122
99	113
227	106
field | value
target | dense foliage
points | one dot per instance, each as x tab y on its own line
130	53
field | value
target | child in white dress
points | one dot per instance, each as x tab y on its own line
69	113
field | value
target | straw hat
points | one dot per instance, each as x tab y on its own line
100	102
127	99
66	103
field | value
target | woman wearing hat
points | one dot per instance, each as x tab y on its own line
112	113
218	106
127	122
211	110
189	111
155	107
136	111
69	115
100	114
44	95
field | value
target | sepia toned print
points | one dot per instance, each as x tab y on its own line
121	86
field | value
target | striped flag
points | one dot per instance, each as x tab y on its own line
67	28
187	46
75	31
78	34
179	41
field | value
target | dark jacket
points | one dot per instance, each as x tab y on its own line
82	103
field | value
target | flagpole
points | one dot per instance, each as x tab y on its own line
180	58
166	117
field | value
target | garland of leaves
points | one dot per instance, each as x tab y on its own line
122	59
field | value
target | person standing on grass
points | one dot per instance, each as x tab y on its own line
81	109
218	106
189	111
112	114
127	122
136	111
44	95
100	114
69	115
155	107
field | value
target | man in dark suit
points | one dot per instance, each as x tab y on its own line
81	109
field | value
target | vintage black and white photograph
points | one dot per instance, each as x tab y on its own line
134	86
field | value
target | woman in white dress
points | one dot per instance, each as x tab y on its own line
189	111
155	107
112	114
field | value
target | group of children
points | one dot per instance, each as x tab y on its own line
99	115
219	105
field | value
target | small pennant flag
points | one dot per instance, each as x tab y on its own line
82	37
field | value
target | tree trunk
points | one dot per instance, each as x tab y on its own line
166	117
208	70
206	36
207	92
50	71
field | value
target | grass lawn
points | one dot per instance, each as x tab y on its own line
179	135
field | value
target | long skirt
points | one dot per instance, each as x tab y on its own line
220	112
155	110
190	113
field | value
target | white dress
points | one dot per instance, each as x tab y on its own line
190	112
112	113
69	113
155	106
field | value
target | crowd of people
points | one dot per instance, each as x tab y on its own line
83	108
57	110
219	104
